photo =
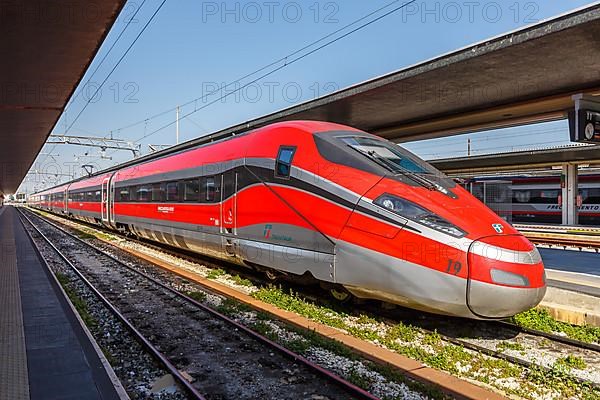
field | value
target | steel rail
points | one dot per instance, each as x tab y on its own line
565	242
557	338
466	344
551	336
568	229
157	355
348	386
512	359
459	342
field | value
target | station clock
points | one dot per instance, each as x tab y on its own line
584	121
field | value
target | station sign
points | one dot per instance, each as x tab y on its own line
584	122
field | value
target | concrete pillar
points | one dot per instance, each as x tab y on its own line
569	194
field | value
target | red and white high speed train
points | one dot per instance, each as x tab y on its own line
358	213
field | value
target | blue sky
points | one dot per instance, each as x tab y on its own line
192	47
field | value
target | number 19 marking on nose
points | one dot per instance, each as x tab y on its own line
454	267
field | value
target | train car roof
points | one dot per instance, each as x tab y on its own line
308	126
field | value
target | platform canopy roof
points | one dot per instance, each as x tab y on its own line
520	160
45	48
520	77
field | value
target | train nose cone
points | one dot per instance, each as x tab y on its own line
506	276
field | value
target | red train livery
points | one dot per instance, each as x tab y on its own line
357	213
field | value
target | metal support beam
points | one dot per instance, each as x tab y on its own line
570	192
98	142
153	148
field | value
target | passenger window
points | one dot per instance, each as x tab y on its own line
209	186
158	192
172	192
124	194
192	190
283	166
133	193
144	193
98	196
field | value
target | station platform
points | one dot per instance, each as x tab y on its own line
573	279
45	351
571	261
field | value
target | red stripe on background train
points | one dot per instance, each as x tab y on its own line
537	199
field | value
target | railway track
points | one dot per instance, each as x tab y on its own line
506	341
441	325
224	358
563	241
562	237
576	230
184	386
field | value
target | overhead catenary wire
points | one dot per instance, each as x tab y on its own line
118	63
521	147
285	60
114	43
457	140
99	65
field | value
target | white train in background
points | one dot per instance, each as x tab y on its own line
536	199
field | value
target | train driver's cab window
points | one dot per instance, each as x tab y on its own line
172	192
283	165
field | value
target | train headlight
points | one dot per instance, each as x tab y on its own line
410	210
508	278
389	204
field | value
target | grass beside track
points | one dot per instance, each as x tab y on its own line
303	341
539	319
78	303
430	349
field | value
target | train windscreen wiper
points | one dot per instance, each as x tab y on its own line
428	183
397	169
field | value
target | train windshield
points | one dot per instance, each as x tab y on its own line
392	157
397	160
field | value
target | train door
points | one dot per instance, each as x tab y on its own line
104	203
111	203
66	200
229	184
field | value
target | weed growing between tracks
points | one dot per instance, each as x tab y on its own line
571	361
510	346
430	349
215	273
539	319
362	373
78	303
242	281
198	296
82	309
